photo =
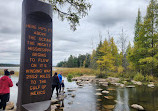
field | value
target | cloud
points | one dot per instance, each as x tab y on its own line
111	12
104	16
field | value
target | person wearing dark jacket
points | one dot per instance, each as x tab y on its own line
5	84
55	83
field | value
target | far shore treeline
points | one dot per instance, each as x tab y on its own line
138	61
9	65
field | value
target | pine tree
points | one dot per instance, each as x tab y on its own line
137	26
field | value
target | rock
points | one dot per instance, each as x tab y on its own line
71	90
122	85
70	102
151	85
99	100
98	94
53	107
102	80
113	80
54	101
117	84
73	95
111	89
108	97
109	106
131	86
136	106
124	82
57	105
103	83
10	106
61	108
99	89
80	84
106	92
136	82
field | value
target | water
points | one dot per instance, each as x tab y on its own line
85	99
123	98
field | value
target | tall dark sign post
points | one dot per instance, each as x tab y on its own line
34	87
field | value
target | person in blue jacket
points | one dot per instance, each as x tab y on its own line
60	81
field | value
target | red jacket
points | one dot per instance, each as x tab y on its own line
5	84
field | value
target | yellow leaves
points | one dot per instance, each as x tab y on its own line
120	69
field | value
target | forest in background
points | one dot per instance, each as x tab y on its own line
139	61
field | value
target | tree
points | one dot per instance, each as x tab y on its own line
93	60
137	26
106	61
114	51
144	52
122	42
71	10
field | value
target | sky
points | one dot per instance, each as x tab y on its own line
105	16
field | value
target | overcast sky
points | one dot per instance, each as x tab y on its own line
112	15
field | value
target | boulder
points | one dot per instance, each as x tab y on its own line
111	89
99	89
99	100
151	85
106	92
10	106
73	95
136	106
71	90
109	106
57	105
54	101
136	82
70	102
122	85
53	107
108	97
103	83
80	84
113	80
131	86
102	80
117	84
98	94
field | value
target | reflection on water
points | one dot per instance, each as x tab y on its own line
122	100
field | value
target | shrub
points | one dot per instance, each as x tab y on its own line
138	77
69	77
149	78
101	74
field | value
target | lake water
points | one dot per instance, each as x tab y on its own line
85	99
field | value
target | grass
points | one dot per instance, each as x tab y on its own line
75	71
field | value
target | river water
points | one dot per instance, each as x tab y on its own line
85	99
